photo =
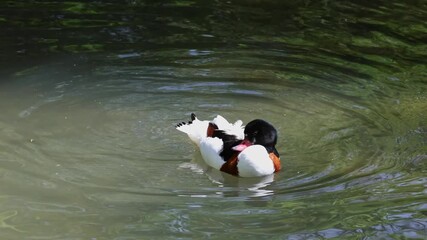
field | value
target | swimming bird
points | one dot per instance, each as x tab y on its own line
245	151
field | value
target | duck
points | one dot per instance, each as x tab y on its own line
243	151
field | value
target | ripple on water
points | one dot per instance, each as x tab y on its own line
88	144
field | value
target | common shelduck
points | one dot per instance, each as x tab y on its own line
232	148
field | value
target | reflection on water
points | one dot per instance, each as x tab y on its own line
229	185
90	92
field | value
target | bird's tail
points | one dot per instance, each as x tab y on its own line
195	129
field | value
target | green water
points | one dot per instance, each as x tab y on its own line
90	92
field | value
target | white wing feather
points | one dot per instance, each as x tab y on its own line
196	131
233	129
210	149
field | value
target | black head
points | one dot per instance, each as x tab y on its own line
261	132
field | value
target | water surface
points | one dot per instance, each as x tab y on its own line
90	93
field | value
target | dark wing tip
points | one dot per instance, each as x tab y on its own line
180	124
193	117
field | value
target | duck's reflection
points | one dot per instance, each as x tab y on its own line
229	185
